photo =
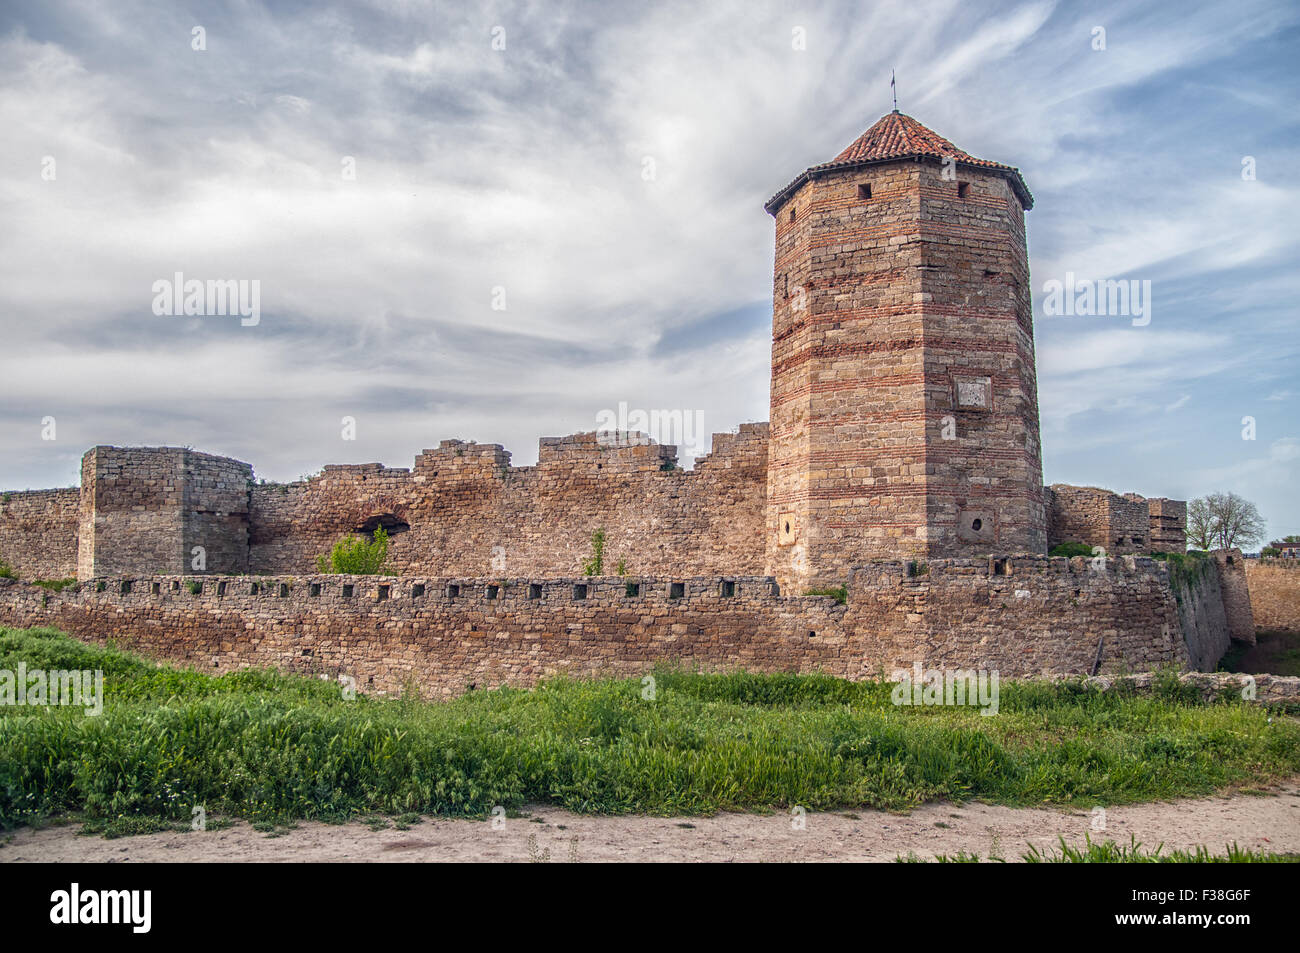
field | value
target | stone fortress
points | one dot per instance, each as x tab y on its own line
892	511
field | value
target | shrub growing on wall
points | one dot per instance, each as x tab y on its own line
6	570
356	555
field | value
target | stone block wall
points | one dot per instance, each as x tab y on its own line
1274	586
1120	525
1235	594
463	509
1168	525
38	532
1019	615
147	508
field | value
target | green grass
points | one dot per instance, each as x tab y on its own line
272	747
1070	550
1109	852
839	593
55	585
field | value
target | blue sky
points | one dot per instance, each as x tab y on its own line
525	168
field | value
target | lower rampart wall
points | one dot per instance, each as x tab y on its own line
1020	616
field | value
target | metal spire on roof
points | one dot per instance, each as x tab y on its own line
894	88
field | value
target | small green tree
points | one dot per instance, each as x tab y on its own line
594	565
356	555
6	570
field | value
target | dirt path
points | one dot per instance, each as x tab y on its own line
1269	822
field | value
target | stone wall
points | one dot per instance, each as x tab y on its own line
1119	524
147	508
1274	586
1019	616
463	509
38	532
1235	594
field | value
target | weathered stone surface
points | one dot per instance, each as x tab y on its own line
1018	615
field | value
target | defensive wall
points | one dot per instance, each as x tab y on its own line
1021	616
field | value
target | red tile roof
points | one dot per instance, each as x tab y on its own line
899	136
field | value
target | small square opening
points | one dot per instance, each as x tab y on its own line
534	590
632	590
579	590
313	589
493	592
676	590
157	588
453	591
176	586
417	590
348	589
864	191
383	593
962	189
728	588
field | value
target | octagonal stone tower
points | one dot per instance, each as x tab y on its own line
904	398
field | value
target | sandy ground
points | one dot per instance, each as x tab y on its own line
1269	822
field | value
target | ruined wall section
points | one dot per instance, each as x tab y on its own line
149	507
1167	525
463	509
38	532
1235	594
1097	517
1019	616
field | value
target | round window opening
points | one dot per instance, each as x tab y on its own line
977	524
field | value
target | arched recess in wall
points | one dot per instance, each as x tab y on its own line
392	525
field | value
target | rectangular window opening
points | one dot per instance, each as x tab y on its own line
534	590
676	590
580	590
493	592
313	589
632	590
383	593
417	590
453	591
962	189
728	588
864	191
348	589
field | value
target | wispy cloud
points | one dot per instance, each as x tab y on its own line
607	169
